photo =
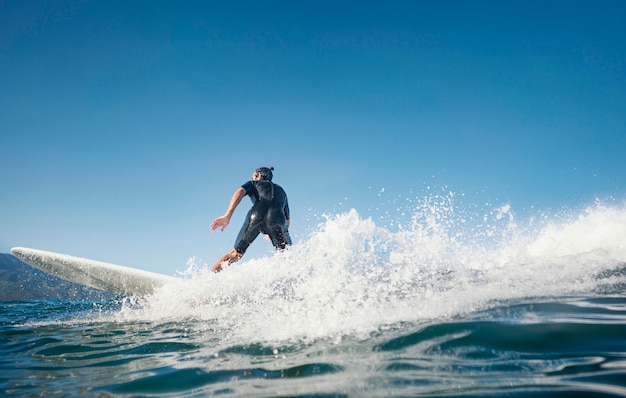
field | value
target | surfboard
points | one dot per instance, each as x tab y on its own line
112	278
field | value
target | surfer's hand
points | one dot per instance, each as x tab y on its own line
219	222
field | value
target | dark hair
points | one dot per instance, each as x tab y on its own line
265	172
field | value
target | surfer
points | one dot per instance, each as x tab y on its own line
269	215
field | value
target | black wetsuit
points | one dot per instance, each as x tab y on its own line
268	215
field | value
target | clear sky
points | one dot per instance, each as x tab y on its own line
125	126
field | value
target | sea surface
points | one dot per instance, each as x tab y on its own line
439	303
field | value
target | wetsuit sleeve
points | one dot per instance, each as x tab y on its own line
248	186
287	209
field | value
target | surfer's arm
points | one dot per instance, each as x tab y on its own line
234	202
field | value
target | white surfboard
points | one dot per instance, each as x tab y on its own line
111	278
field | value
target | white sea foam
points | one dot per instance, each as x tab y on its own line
352	276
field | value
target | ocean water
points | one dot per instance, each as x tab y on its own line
430	299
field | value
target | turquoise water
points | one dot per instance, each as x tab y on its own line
573	346
423	308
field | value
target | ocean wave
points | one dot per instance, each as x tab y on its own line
352	276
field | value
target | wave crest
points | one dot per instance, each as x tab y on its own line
352	276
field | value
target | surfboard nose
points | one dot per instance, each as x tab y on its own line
19	252
117	279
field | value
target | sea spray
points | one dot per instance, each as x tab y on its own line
351	276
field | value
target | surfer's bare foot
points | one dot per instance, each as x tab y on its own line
229	258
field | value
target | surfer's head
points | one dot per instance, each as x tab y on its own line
263	173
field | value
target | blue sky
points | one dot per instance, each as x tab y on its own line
125	126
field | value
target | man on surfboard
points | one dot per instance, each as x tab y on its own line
269	215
